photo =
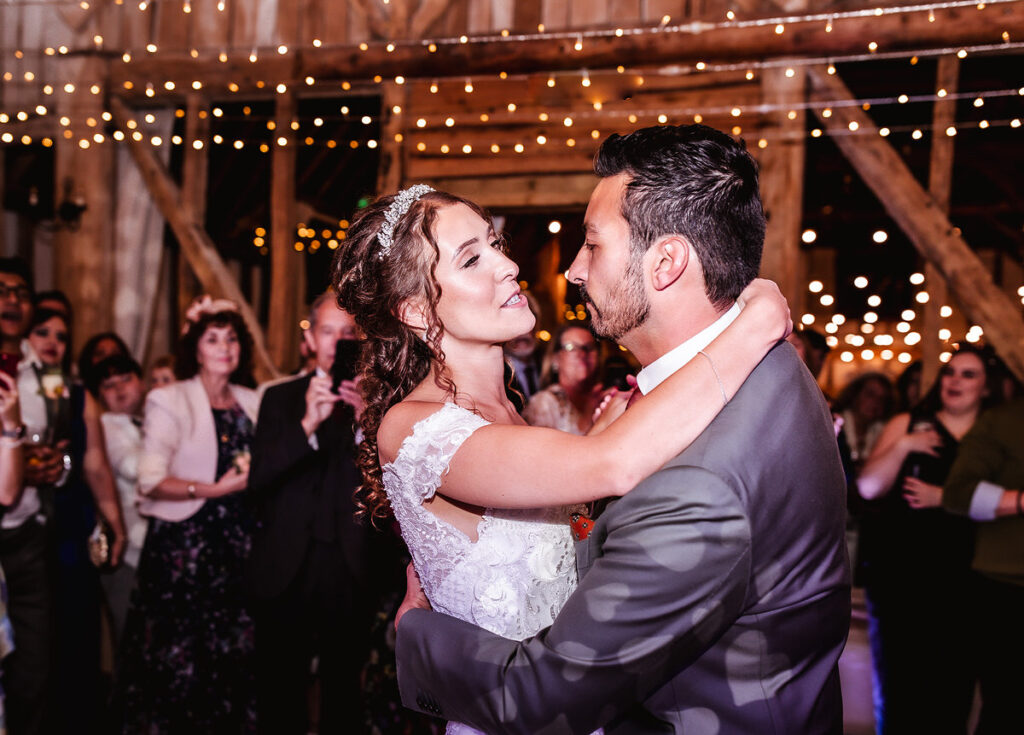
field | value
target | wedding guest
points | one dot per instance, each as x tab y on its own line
864	405
908	387
311	569
23	528
161	372
121	394
54	300
12	435
812	348
572	391
12	432
85	486
96	348
187	656
523	353
916	557
986	483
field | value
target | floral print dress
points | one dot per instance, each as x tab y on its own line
187	660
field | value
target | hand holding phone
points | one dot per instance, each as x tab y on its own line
346	355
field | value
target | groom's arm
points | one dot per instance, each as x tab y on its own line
672	577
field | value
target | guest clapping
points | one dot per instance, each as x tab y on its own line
917	557
573	391
188	653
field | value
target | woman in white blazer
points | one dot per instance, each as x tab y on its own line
186	661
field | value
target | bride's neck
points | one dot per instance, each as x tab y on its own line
478	375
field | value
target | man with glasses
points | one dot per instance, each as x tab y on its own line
23	535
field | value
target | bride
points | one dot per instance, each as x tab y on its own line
480	497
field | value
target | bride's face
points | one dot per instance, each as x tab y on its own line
480	297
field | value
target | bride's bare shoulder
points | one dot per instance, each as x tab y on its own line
398	423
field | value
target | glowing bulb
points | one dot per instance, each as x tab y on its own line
860	282
880	236
815	286
809	236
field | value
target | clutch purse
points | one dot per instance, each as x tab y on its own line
99	545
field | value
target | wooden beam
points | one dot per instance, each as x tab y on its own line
194	170
567	191
283	321
457	165
782	184
83	266
699	42
918	215
940	186
202	254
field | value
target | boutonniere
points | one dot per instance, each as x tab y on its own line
53	386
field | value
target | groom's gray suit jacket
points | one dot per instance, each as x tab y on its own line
713	598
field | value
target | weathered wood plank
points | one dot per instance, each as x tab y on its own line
391	172
940	186
782	184
917	214
515	192
83	266
203	257
954	27
283	320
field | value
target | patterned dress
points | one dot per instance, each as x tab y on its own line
187	661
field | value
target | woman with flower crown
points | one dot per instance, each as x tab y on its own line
481	498
187	657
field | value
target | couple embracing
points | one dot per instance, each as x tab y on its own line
711	593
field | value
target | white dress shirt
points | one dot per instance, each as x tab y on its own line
33	415
653	374
123	438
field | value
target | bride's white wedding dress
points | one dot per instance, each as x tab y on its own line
519	572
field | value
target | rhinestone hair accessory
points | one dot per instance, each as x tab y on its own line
399	206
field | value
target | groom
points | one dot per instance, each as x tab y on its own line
714	597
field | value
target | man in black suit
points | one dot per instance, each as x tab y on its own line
309	569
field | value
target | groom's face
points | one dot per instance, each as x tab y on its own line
610	279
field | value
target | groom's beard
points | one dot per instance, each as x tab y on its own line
624	310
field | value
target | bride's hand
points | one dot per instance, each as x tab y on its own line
414	595
762	298
612	405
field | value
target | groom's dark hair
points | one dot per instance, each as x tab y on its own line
694	181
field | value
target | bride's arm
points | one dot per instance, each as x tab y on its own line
503	466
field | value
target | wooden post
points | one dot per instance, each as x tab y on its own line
202	255
282	324
917	214
83	268
391	174
782	183
940	186
195	167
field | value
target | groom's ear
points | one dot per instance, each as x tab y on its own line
671	256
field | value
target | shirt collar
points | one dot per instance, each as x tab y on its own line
649	378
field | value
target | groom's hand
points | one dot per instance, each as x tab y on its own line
414	597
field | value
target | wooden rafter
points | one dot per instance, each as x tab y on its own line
919	216
202	254
911	31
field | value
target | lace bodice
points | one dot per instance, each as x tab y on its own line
518	574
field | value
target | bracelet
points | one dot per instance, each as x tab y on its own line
1020	496
725	399
191	490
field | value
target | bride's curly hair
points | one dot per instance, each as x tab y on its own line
373	288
